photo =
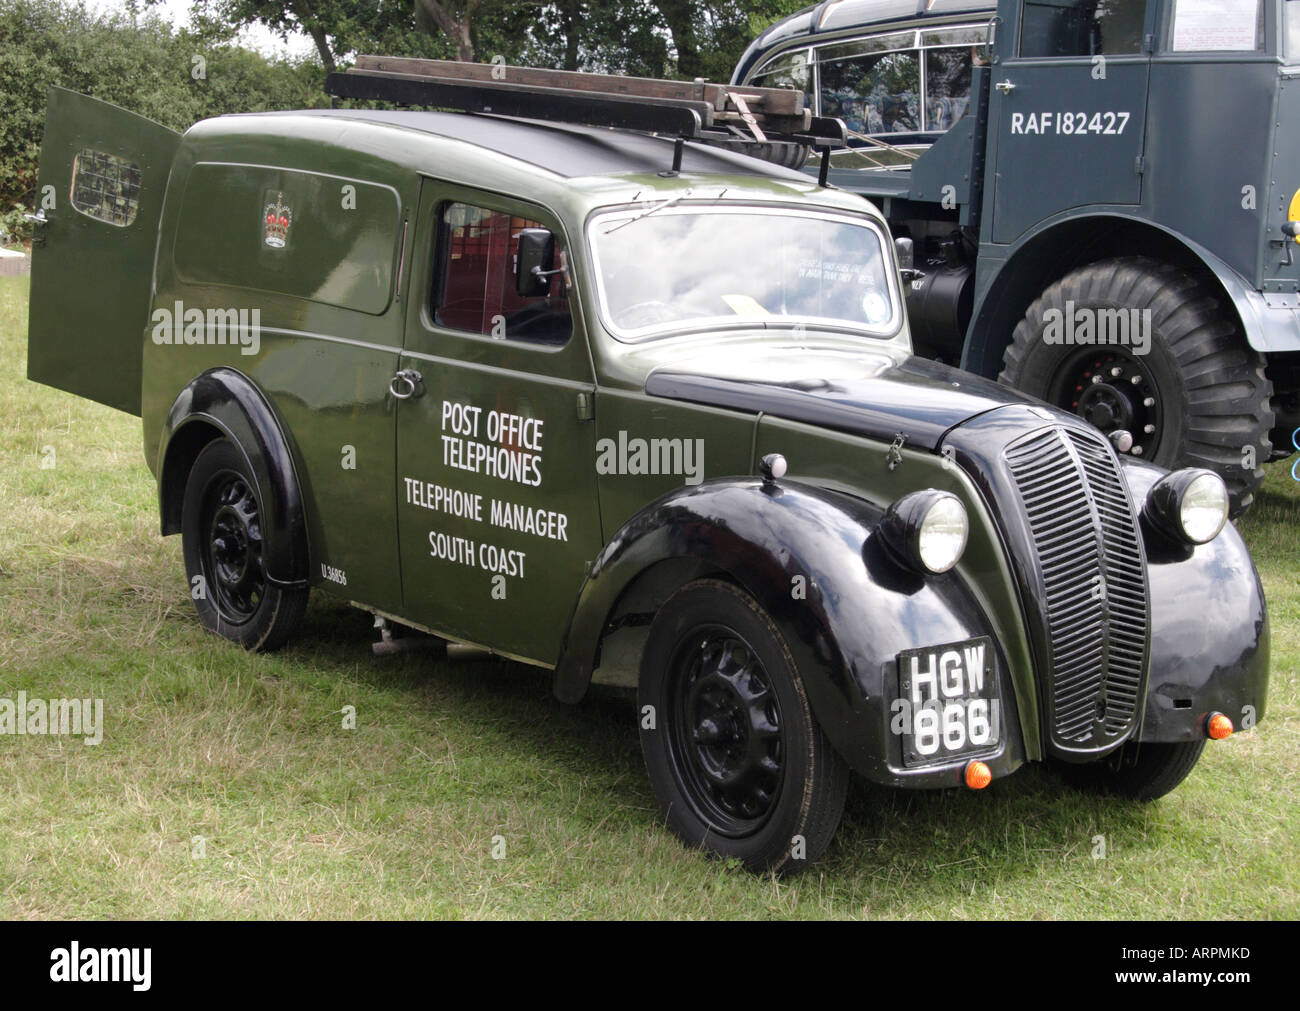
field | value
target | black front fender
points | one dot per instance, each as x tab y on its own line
225	401
845	608
1209	630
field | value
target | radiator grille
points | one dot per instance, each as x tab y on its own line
1089	557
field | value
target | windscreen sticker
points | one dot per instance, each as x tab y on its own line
1201	25
843	273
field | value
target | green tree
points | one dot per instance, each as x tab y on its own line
135	60
656	38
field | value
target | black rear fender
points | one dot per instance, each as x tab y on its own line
223	402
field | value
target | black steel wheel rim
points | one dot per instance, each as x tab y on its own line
1113	391
232	547
726	736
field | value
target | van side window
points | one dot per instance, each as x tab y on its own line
1081	27
873	85
106	187
476	287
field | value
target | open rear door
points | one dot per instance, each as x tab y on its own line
102	179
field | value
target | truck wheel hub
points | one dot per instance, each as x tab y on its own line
1112	392
1106	407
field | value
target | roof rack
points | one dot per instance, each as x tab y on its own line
687	110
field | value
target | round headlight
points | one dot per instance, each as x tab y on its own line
1189	505
1204	508
927	530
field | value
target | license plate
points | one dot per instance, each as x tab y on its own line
947	705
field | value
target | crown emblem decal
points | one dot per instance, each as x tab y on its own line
278	218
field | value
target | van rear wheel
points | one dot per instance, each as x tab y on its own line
1195	396
223	541
736	759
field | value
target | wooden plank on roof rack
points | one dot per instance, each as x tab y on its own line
703	108
684	119
771	101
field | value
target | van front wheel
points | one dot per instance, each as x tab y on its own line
735	756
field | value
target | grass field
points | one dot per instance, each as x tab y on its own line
226	785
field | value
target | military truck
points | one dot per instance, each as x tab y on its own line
560	378
1099	198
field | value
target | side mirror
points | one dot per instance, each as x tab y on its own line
905	249
534	262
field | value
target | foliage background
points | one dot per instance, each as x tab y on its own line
139	61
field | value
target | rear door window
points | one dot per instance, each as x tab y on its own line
105	187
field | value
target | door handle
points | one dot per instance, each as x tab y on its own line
406	384
38	218
1006	87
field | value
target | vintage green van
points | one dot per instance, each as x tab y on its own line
642	411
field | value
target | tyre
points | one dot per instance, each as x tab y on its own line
224	544
1198	398
786	154
1139	772
736	759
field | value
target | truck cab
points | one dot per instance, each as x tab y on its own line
1108	164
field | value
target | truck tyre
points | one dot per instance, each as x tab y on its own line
1198	398
222	541
735	757
1142	772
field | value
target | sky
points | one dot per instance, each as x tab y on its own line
178	11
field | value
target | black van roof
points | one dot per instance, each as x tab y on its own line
564	149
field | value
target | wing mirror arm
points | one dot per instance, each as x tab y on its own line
535	258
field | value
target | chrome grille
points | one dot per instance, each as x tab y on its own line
1089	558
